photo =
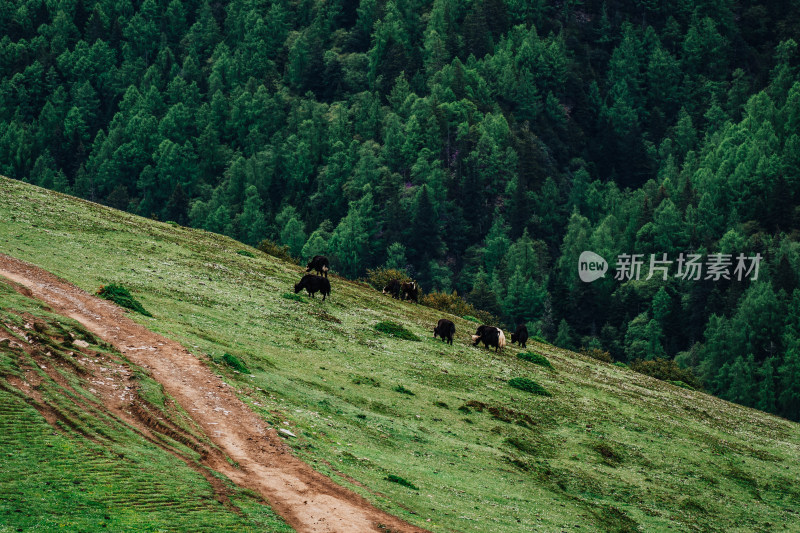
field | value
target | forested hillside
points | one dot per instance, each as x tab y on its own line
481	146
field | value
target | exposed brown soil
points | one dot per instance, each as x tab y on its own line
306	499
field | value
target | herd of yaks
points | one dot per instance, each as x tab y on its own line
489	335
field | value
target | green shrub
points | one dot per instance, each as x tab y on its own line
667	370
523	445
679	383
610	456
455	305
395	330
403	390
380	277
293	296
245	253
620	364
537	338
281	252
535	358
597	353
401	481
234	362
122	297
528	385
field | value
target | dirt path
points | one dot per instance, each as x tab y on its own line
306	499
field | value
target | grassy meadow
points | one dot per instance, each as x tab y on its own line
432	433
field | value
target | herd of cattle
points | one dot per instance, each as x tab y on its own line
490	336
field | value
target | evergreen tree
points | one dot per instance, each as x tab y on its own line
252	222
317	243
396	257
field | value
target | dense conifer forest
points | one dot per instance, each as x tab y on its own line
480	146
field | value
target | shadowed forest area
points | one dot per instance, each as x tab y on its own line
478	146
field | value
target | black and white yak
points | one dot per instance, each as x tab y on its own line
490	336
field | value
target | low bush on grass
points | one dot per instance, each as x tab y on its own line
523	445
235	363
610	456
528	385
380	277
537	338
401	481
293	296
395	330
366	380
245	253
679	383
403	390
667	370
597	353
455	305
275	250
122	297
324	315
535	358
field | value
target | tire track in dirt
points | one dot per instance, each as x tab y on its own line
307	500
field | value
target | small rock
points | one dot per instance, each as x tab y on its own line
81	344
286	432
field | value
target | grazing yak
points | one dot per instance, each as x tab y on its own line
405	290
318	263
520	336
490	336
410	291
445	329
393	288
313	284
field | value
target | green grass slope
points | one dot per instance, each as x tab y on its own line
432	433
70	464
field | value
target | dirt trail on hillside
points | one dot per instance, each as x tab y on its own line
306	499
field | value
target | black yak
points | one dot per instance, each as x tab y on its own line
410	291
520	336
318	263
314	284
445	329
393	288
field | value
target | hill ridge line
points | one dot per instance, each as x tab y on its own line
306	499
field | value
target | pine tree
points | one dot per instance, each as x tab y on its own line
317	243
252	222
396	257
